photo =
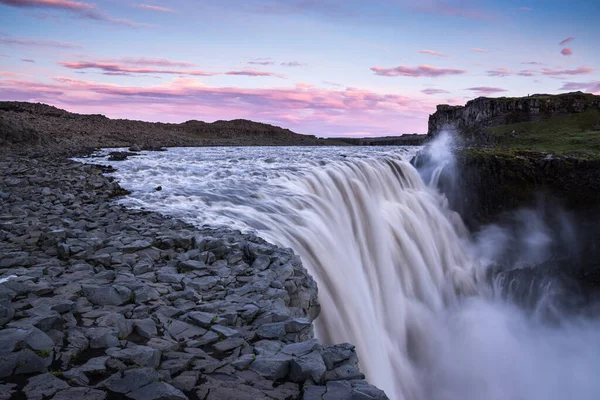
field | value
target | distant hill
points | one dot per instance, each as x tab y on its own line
35	126
413	139
562	123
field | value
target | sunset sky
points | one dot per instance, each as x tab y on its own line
322	67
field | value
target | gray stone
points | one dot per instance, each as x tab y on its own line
344	372
273	368
275	330
314	392
157	391
6	311
302	348
130	380
267	347
102	338
183	331
145	294
137	245
138	355
80	393
146	328
107	295
191	265
261	263
115	320
202	319
333	355
225	331
7	390
228	344
13	339
42	386
204	283
163	344
307	366
186	381
95	366
244	361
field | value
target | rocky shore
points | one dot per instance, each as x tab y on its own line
101	302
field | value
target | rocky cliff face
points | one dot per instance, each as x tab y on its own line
472	119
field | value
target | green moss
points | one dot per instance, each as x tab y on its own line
43	353
214	319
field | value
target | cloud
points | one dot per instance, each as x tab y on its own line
590	87
567	40
486	90
533	63
156	62
332	84
525	8
261	62
477	49
303	108
566	51
292	64
11	74
501	72
416	72
153	8
558	72
28	60
431	91
84	10
35	42
114	68
433	53
254	73
527	72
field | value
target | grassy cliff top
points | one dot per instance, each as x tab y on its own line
574	134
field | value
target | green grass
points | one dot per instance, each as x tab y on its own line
573	134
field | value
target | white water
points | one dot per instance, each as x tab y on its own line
398	274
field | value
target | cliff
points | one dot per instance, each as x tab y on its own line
474	120
46	129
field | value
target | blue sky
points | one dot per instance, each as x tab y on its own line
321	67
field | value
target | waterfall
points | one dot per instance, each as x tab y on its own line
387	255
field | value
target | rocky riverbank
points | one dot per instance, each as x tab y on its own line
101	302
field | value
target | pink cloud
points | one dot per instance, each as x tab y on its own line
433	53
501	72
416	72
84	10
153	8
157	62
431	91
477	49
11	74
567	40
34	42
486	90
590	87
254	73
533	63
27	60
303	108
120	69
566	51
558	72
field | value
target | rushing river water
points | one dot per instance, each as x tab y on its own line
398	273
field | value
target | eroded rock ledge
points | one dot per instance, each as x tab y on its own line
107	303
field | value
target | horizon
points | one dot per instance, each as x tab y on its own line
314	67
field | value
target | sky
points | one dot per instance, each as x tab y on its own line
321	67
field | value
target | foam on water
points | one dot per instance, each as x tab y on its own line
398	273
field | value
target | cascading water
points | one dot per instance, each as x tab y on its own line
398	274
